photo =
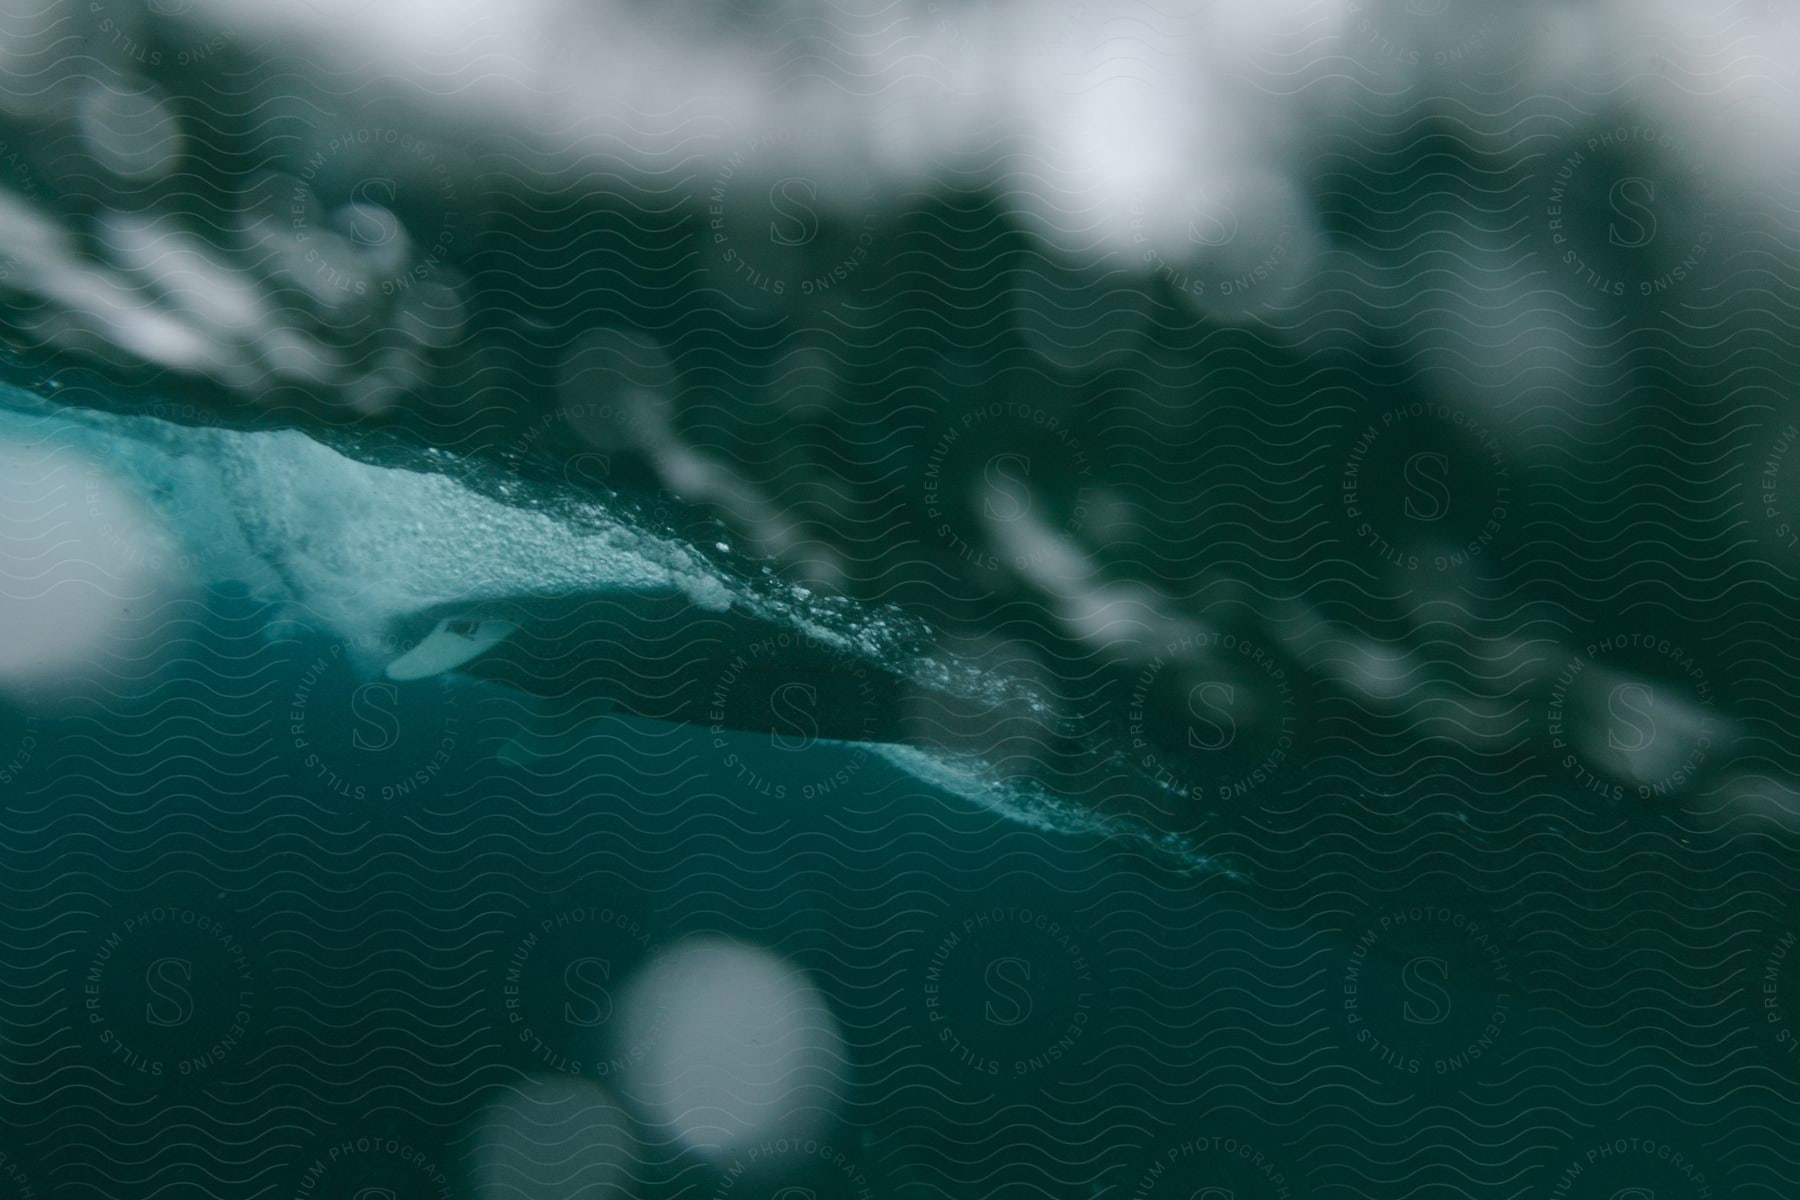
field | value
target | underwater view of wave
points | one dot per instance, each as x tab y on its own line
899	598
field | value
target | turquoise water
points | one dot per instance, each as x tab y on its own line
361	907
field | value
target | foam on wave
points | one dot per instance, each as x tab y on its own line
363	547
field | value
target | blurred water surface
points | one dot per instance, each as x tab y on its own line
1114	598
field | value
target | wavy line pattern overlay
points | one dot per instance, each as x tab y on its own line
1110	599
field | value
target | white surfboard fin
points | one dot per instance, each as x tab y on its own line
454	642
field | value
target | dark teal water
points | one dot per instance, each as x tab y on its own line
1129	604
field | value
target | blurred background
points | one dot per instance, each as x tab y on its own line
1354	431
